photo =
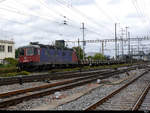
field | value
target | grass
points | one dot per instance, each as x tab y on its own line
10	70
14	74
88	67
7	69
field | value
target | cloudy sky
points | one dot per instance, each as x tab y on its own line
43	20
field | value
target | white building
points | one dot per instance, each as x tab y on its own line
7	50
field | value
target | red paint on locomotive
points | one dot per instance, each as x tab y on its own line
29	58
74	57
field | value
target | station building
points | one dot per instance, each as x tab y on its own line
7	50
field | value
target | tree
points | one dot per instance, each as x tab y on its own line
16	53
90	57
99	56
79	52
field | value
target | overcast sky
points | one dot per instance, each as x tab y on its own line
42	20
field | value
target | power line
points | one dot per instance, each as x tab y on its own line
47	7
100	9
62	15
84	15
137	10
22	13
15	10
26	14
18	2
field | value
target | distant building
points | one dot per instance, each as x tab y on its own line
7	50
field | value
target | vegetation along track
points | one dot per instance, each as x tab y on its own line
8	99
125	97
42	77
53	76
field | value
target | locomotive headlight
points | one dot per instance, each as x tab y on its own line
25	58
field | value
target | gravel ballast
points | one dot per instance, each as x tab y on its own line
81	102
92	97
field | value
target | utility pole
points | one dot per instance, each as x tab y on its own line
122	41
116	40
102	48
127	36
78	51
78	48
138	45
127	32
83	28
118	49
129	43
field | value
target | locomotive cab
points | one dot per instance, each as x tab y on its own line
29	56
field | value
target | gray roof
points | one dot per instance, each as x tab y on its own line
6	41
36	46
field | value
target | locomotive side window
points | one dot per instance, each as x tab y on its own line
35	51
21	52
30	51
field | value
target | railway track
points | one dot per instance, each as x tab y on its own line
143	102
42	77
53	76
15	97
125	97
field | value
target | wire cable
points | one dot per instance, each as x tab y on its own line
85	16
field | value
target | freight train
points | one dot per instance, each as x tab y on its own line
46	56
40	56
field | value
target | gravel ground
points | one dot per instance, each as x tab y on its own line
91	98
78	104
12	87
127	97
7	88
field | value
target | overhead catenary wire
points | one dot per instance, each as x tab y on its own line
47	7
62	5
32	27
16	11
106	15
85	16
139	13
19	2
34	15
66	17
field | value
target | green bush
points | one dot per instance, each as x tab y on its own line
8	74
11	74
11	61
15	74
23	73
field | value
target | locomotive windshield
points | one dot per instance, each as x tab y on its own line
21	52
30	51
36	51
